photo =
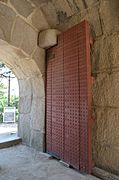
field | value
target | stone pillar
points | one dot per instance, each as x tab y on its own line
32	95
35	136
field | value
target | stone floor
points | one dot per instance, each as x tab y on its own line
24	163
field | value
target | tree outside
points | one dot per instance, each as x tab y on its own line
3	100
14	99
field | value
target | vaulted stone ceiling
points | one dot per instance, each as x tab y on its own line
22	20
60	14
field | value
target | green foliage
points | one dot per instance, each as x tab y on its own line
15	103
3	102
2	90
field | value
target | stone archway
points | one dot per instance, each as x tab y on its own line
20	52
32	95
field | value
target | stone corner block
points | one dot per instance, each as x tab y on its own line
48	38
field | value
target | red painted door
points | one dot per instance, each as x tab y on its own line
68	99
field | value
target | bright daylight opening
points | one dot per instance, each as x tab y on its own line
9	102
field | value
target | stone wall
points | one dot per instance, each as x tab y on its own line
103	17
106	102
20	23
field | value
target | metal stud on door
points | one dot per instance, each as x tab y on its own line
68	119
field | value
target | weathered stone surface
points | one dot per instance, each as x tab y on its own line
19	53
106	138
63	13
68	23
105	53
62	8
29	67
107	95
50	13
7	17
107	157
93	17
90	3
48	38
94	20
23	7
38	113
25	104
79	5
65	18
15	54
24	128
26	68
109	15
25	87
39	57
39	20
100	94
2	36
18	72
38	86
37	139
76	5
24	36
17	34
12	58
106	127
39	2
5	1
98	172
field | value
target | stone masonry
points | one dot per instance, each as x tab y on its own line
21	22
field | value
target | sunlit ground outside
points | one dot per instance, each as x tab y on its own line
8	128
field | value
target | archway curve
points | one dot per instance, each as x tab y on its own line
31	91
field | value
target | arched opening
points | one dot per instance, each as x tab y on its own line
9	103
31	93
